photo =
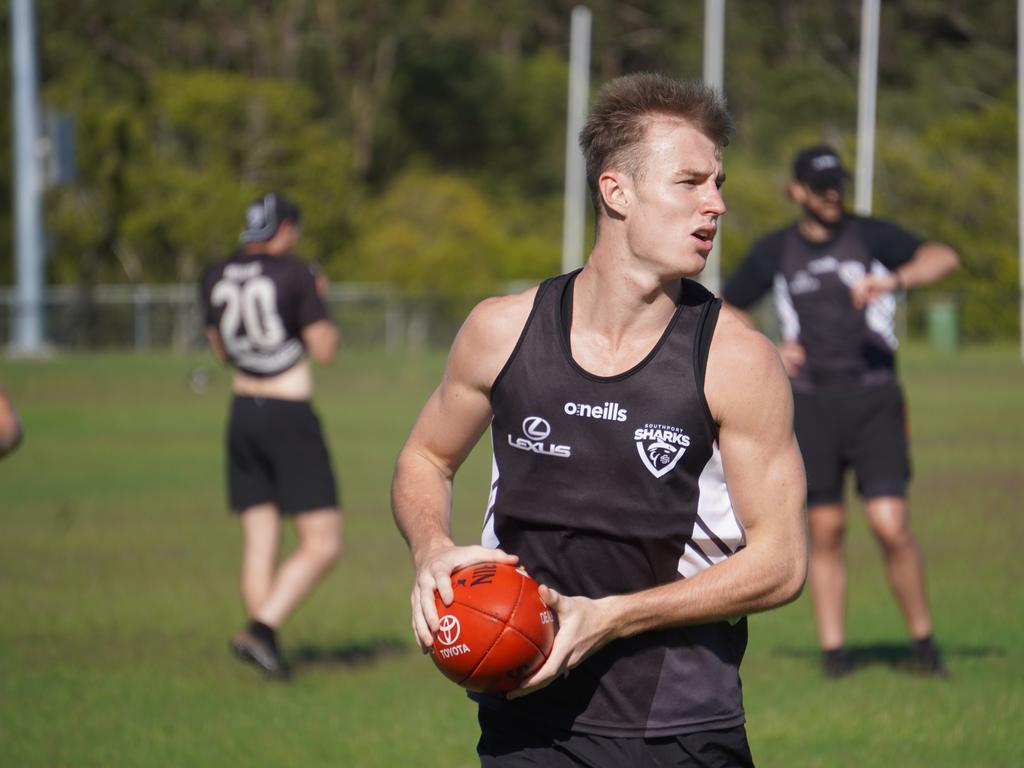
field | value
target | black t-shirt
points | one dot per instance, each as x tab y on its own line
260	304
610	485
846	348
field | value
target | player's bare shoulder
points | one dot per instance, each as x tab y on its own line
743	366
489	335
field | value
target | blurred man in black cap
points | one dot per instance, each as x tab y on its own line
834	275
265	316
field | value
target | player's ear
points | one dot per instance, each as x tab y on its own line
797	192
612	185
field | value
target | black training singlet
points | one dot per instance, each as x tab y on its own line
846	347
260	304
610	485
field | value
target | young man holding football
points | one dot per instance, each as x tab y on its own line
645	469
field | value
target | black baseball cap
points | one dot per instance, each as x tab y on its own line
264	215
819	167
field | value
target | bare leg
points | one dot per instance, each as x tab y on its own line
318	549
261	537
890	521
828	572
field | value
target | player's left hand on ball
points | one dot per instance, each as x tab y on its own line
584	626
434	573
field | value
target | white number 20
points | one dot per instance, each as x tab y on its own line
250	316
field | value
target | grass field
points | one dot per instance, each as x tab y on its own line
118	586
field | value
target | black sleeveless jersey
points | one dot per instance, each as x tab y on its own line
610	485
260	304
846	348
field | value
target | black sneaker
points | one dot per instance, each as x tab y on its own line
926	660
836	663
248	647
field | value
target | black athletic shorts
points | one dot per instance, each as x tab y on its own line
507	742
865	430
277	453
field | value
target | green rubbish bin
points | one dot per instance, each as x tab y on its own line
943	325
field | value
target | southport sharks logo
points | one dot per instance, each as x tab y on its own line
660	447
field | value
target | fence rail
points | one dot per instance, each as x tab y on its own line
169	316
368	314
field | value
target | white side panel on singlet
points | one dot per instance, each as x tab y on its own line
880	314
717	532
488	537
789	323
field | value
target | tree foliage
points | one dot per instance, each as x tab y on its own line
425	138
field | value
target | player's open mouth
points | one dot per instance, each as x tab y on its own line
705	235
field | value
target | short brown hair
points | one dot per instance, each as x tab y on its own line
618	122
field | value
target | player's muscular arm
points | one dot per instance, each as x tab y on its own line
451	423
750	398
790	350
741	314
321	339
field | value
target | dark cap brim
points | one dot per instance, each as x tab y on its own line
832	178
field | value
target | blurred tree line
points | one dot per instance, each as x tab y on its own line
425	138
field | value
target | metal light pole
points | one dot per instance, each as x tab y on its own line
714	44
574	215
866	92
27	312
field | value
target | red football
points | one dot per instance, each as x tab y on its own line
497	631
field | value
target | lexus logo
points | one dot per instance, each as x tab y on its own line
449	630
536	428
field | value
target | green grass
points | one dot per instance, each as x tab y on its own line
118	586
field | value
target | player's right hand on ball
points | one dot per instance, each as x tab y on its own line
433	572
584	626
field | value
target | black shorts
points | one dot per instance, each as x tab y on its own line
866	430
507	742
277	454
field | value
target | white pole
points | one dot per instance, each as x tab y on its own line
714	45
1020	165
866	92
574	215
27	314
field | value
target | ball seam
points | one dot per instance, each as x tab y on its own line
504	622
